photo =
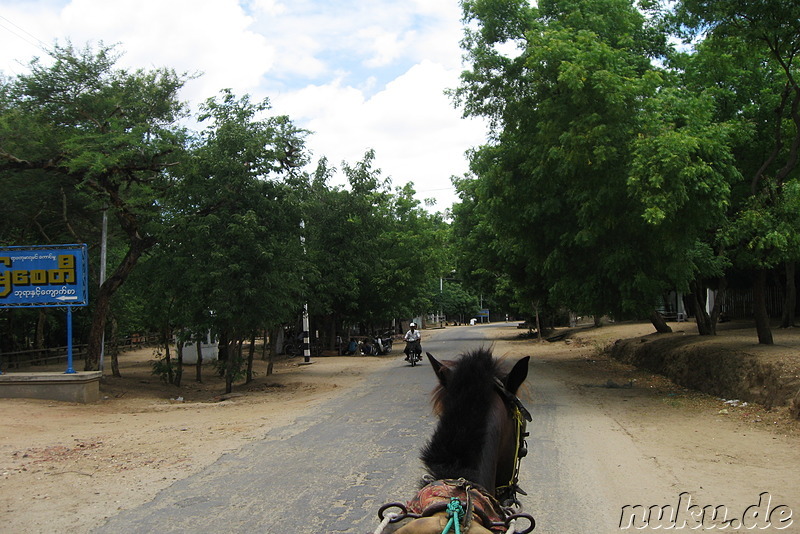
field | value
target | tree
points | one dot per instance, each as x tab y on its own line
81	123
683	170
344	228
565	114
231	235
455	302
371	250
754	47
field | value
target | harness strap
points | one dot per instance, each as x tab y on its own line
476	501
432	501
508	491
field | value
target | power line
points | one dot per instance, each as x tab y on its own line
38	44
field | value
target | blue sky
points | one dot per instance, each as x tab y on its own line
361	74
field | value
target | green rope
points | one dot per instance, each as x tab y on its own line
454	509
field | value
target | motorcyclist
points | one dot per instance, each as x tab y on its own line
412	339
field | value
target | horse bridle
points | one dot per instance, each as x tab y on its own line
506	494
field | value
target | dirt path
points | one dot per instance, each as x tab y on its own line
66	467
616	436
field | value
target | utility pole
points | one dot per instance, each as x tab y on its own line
306	333
103	256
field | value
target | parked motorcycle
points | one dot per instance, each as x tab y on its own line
383	343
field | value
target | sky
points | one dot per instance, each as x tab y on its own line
360	74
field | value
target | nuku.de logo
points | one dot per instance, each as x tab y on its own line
686	515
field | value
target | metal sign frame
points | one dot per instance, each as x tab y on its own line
44	276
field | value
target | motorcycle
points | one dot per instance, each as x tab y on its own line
383	343
414	352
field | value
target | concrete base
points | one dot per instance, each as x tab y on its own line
82	386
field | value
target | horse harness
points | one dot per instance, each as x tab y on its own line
507	493
451	506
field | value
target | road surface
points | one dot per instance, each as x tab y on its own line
330	472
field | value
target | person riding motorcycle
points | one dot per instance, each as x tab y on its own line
412	339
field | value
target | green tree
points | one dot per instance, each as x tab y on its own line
455	302
746	58
565	109
101	135
230	247
372	250
683	171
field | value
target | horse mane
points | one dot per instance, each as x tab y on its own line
463	406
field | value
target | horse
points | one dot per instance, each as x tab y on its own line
474	454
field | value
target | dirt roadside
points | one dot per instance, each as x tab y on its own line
66	467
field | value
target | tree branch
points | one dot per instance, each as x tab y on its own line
64	216
791	159
778	142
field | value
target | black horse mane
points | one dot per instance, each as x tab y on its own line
455	449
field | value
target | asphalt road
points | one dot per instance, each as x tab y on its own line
331	471
327	473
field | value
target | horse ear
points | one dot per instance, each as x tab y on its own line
438	368
517	375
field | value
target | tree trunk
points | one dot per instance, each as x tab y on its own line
233	352
716	310
705	326
659	323
165	339
250	355
230	355
179	364
103	301
273	349
40	323
268	352
760	308
198	367
790	300
222	346
114	346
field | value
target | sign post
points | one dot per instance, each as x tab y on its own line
45	276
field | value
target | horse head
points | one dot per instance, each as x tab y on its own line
481	429
474	453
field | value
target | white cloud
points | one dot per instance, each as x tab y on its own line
359	74
209	37
386	47
270	7
417	134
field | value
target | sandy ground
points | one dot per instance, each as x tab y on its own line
66	467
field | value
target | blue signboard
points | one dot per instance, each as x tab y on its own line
41	276
483	313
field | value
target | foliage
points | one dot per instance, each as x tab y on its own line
619	168
454	301
746	61
207	228
164	369
371	251
82	135
553	185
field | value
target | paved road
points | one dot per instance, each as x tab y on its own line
327	473
331	471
